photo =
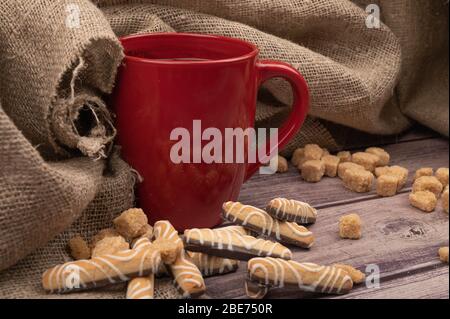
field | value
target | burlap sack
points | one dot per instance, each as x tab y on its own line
422	29
351	70
56	57
55	70
63	190
52	75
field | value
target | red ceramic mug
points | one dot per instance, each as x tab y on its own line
167	81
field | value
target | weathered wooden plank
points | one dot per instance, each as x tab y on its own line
353	139
409	284
396	237
412	155
431	284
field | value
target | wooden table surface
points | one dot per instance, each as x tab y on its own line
401	240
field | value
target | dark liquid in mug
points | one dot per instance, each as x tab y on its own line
183	59
147	55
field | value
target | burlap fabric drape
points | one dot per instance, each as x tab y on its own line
58	173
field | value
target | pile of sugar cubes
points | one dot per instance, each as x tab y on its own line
362	170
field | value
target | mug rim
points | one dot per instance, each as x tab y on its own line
253	49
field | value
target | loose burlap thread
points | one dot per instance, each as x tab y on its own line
58	174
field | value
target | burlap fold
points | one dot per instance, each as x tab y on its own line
50	50
58	176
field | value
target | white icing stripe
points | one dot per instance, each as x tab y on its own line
145	289
141	263
221	238
292	210
110	268
274	271
258	220
128	255
211	265
119	273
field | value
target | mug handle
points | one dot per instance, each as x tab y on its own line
272	69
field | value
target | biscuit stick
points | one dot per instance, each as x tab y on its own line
187	277
101	270
280	273
292	211
254	290
261	222
141	287
227	244
213	265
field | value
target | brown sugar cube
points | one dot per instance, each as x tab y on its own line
313	171
383	170
428	183
79	249
131	223
423	200
359	181
297	156
313	152
383	157
343	167
148	233
366	160
282	164
107	232
331	165
110	246
387	185
443	254
325	152
345	156
442	175
424	171
169	249
445	200
350	226
402	174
